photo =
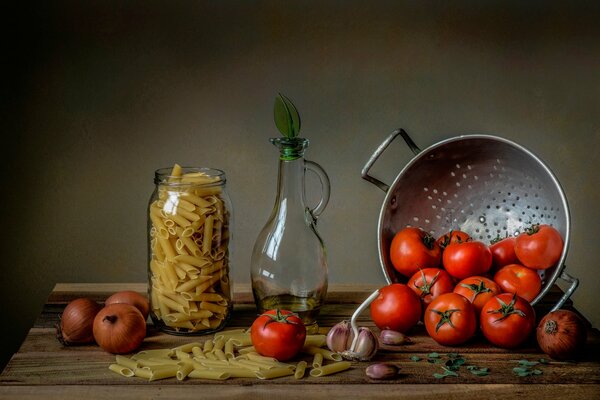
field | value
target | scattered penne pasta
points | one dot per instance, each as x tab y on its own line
219	358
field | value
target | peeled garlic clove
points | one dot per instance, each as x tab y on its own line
339	337
393	338
365	348
381	371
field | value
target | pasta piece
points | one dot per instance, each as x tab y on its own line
126	362
209	374
300	370
274	373
143	373
330	368
184	371
317	360
188	347
315	340
164	372
328	355
121	370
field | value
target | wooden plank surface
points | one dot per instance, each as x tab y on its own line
43	368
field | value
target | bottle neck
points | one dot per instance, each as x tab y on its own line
290	183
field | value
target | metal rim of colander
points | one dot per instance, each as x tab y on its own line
565	207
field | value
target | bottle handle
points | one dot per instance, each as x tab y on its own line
325	187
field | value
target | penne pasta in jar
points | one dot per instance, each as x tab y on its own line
189	217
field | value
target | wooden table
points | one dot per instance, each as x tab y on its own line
43	368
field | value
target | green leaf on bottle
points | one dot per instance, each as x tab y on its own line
286	116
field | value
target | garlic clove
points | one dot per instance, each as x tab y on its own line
393	338
339	337
364	347
382	371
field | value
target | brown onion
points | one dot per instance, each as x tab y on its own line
561	334
77	322
119	328
135	299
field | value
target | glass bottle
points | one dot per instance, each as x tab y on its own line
289	263
189	216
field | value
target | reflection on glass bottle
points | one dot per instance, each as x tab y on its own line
289	264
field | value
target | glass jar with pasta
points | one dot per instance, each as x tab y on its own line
188	251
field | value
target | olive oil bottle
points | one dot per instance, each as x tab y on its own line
289	263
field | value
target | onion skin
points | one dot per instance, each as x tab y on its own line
133	298
562	335
77	322
119	328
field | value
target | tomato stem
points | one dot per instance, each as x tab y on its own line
445	318
425	288
279	317
507	309
477	289
535	228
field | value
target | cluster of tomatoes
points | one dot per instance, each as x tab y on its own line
455	283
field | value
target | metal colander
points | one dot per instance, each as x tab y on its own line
484	185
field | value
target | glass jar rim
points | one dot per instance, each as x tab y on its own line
163	176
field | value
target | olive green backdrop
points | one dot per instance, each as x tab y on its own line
98	94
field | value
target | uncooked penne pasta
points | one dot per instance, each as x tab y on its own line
300	370
315	340
329	369
317	360
274	373
209	374
184	371
126	362
187	347
164	372
121	370
328	355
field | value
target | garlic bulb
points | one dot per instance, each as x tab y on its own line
339	338
393	338
381	371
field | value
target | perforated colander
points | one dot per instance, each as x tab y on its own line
484	185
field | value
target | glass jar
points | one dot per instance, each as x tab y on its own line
189	216
289	262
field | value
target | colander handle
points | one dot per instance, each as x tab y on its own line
574	283
365	171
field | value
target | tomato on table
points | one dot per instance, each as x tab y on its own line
466	259
278	333
450	319
454	236
503	252
515	278
478	290
396	307
429	283
507	320
539	247
413	248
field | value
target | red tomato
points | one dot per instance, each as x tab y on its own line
413	248
478	290
397	308
429	283
507	320
539	247
466	259
503	253
515	278
452	237
278	333
450	319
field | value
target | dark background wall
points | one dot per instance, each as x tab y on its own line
98	94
